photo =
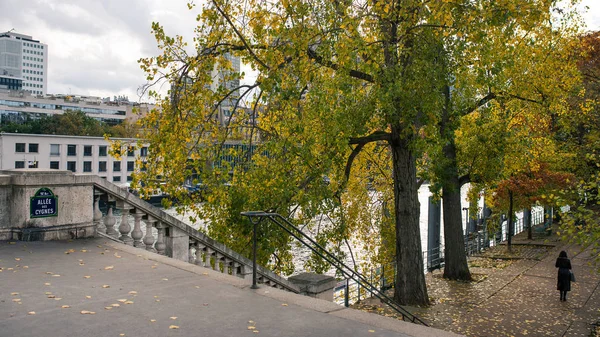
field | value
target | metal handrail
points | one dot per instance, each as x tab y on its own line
330	258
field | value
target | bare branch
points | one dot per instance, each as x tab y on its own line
239	34
352	72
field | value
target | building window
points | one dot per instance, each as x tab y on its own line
55	149
116	179
102	151
130	166
102	166
19	164
130	151
72	166
87	150
54	165
71	150
87	166
20	147
129	178
32	164
144	151
117	166
33	148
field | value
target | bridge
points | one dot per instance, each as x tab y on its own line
67	271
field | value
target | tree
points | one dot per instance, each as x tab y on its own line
330	74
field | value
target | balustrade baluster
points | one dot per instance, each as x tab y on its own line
191	255
160	242
125	227
234	268
149	238
226	263
199	248
109	223
97	213
207	256
137	233
218	262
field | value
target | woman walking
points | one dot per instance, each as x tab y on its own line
564	275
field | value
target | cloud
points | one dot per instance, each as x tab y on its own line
94	45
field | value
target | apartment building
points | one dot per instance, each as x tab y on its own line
73	153
25	60
18	105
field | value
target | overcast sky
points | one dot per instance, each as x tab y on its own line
94	45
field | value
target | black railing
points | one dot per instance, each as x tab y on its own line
359	279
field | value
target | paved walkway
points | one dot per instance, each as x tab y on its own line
99	288
516	297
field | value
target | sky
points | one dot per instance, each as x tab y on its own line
94	45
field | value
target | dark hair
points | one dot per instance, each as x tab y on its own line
562	254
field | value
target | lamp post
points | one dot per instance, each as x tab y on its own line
255	218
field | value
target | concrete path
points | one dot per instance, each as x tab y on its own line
100	288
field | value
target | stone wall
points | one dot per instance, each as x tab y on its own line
74	218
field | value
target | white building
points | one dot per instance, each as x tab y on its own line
73	153
17	105
26	59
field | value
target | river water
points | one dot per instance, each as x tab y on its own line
301	254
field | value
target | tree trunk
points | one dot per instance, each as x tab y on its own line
410	287
510	220
529	225
455	259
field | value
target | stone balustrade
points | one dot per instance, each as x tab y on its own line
173	238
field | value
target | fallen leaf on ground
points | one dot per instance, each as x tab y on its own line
16	299
105	286
109	268
88	297
14	294
116	305
108	308
65	306
133	292
174	327
251	327
56	275
129	302
17	259
284	304
152	320
86	276
46	284
173	317
31	313
51	296
123	300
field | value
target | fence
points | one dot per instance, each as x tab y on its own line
348	292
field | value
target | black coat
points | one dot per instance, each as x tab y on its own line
564	274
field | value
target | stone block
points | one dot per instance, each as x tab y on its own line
178	243
315	285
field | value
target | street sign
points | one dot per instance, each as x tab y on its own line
43	204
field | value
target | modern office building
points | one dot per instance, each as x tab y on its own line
25	59
18	105
73	153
